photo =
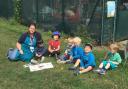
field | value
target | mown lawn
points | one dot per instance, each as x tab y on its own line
14	76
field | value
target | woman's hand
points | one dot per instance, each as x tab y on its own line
18	45
21	51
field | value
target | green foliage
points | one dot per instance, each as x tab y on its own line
17	10
82	31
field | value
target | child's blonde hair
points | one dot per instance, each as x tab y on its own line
114	46
77	41
70	40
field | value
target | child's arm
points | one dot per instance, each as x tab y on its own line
78	54
49	49
117	59
57	48
106	55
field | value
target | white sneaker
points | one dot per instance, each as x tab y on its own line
34	61
58	61
42	59
97	71
61	62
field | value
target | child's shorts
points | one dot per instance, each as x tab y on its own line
112	65
85	65
63	57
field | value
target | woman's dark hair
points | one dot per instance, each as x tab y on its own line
32	23
88	45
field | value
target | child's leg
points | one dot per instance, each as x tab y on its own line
37	58
77	63
107	66
101	65
75	66
56	52
82	65
44	52
48	53
89	68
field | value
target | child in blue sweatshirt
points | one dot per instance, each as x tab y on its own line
76	52
87	61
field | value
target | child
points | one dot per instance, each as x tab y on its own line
76	51
39	52
54	45
65	57
112	60
87	62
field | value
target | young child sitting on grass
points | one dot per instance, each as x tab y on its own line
87	61
65	57
40	52
76	52
54	45
111	61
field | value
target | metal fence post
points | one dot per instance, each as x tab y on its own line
115	20
37	11
102	29
63	14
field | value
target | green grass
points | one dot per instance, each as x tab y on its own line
14	76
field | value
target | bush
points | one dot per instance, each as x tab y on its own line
82	32
17	10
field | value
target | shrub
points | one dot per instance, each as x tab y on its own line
17	10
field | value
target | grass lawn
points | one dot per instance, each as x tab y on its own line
14	76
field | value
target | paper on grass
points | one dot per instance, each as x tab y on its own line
40	66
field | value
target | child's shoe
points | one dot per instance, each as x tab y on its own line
61	62
97	70
68	62
102	72
49	55
77	72
57	57
42	59
72	68
34	61
58	61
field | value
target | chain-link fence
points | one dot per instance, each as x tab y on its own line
109	29
6	8
69	15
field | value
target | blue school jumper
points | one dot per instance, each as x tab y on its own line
88	60
77	52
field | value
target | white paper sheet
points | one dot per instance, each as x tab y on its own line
40	66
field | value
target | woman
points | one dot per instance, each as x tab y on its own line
27	43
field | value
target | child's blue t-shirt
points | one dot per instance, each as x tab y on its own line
89	59
77	52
